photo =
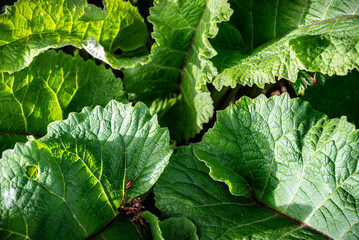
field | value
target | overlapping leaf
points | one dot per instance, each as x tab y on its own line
125	228
186	189
280	37
306	79
290	157
30	27
172	228
260	21
70	182
172	81
51	87
338	97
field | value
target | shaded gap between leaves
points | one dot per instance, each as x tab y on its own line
97	3
21	133
291	219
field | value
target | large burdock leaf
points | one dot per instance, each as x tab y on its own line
339	96
70	182
51	87
172	82
186	189
277	38
30	27
283	154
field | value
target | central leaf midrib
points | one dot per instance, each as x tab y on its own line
315	23
190	48
273	210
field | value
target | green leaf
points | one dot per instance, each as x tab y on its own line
173	228
306	79
339	96
185	189
124	228
282	37
293	158
83	165
31	27
172	82
54	85
260	21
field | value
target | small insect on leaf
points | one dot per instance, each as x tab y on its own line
129	183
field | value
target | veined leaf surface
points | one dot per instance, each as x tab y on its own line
185	189
280	37
70	183
172	82
51	87
291	158
31	27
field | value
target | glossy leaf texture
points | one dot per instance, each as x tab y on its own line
31	27
172	228
185	189
54	85
70	183
338	97
274	39
172	82
291	158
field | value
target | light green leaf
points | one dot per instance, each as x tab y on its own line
281	37
83	164
185	189
52	86
293	158
172	82
174	228
154	225
339	96
31	27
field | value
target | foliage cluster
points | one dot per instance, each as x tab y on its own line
158	119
